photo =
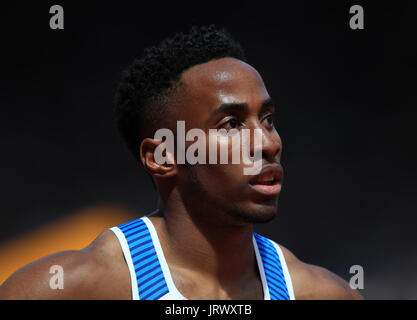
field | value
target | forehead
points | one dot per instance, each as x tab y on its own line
225	80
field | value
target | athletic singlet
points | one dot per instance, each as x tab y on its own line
152	280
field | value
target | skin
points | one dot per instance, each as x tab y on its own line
215	203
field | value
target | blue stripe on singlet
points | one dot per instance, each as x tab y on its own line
275	279
150	278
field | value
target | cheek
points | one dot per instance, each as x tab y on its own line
223	149
223	180
227	172
222	176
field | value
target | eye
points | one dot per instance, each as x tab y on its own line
269	121
233	123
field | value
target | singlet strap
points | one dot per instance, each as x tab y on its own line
277	278
148	282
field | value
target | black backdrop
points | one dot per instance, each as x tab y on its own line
346	114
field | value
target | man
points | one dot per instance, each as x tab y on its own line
199	243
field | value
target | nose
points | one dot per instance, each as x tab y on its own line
271	143
264	143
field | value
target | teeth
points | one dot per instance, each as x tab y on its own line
267	179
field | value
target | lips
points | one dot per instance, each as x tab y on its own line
269	181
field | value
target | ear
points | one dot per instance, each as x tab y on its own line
157	158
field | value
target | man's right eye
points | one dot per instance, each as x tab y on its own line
230	124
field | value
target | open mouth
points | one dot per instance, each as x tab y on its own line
266	179
268	182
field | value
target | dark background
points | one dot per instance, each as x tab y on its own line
346	114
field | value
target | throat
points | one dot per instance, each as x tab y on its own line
194	286
222	261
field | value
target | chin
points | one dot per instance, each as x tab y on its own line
256	213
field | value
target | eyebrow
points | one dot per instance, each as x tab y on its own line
230	106
240	106
267	103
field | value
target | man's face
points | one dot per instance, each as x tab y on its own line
229	94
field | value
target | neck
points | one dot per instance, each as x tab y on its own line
218	253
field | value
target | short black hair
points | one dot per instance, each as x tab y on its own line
151	80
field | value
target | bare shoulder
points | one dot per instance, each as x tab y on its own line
96	272
316	283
